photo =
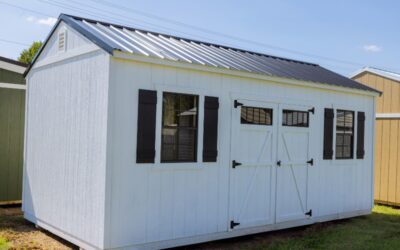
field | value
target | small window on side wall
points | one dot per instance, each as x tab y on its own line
344	134
294	118
255	116
179	128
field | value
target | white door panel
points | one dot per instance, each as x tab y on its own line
293	155
269	182
253	182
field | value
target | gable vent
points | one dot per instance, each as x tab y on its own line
62	40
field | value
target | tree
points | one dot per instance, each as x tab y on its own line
27	55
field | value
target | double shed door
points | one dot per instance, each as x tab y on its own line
270	161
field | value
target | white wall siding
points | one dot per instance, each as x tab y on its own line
153	202
156	202
65	162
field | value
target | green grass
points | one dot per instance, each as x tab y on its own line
380	230
3	244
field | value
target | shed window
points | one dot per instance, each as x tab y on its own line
294	118
344	134
179	128
257	116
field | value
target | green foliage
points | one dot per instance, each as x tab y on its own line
3	244
27	55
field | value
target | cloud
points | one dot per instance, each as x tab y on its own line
50	21
30	19
372	48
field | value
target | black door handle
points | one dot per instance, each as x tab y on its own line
278	163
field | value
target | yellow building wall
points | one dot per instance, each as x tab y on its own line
387	148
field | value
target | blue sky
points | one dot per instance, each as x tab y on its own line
340	35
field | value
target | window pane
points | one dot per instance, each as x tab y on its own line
344	134
339	152
339	139
254	115
179	133
346	152
169	138
293	118
187	138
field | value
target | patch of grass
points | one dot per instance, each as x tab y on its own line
4	244
380	230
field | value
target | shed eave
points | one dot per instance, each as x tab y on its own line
376	72
12	67
275	79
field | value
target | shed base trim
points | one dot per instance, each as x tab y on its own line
388	203
200	238
16	202
247	231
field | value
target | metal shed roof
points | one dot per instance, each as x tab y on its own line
112	37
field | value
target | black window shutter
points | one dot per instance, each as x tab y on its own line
210	137
146	131
328	134
360	134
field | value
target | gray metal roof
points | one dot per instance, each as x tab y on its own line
112	37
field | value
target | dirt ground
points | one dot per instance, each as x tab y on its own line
380	230
21	234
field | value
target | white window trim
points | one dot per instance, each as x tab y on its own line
387	115
198	164
12	86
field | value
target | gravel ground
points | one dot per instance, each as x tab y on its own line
21	234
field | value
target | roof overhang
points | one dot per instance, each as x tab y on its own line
12	65
383	73
273	79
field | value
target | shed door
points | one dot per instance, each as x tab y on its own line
253	157
292	157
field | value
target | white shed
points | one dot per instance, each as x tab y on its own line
136	139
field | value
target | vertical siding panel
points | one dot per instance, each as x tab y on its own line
378	160
392	171
4	146
397	184
385	160
11	137
395	105
387	100
67	141
379	86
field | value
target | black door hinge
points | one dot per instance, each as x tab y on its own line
278	163
234	224
235	164
312	110
311	162
237	104
309	213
